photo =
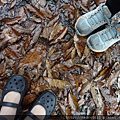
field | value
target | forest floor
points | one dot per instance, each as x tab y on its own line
38	41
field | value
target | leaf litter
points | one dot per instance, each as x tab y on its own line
38	40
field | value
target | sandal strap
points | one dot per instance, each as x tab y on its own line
34	117
8	104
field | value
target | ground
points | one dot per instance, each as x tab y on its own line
38	41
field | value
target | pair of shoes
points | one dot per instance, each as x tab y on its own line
90	21
18	83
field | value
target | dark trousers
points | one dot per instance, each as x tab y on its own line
114	6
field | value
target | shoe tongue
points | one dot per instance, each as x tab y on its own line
107	11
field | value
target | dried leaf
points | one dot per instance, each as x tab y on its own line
34	56
27	42
56	82
67	45
22	14
73	101
48	66
36	35
52	20
79	44
35	10
60	35
12	54
12	4
11	21
56	29
28	99
85	88
68	111
97	98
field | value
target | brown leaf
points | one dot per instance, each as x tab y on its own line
105	73
21	29
56	82
73	101
51	51
85	87
28	99
34	56
52	20
35	10
46	32
22	14
27	42
11	21
68	111
79	44
62	108
12	4
56	29
67	45
16	32
97	98
60	35
67	55
12	54
38	20
36	35
48	66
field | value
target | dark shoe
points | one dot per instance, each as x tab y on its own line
48	100
18	84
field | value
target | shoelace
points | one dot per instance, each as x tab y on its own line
98	16
110	33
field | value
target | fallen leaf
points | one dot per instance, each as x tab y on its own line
56	29
56	82
28	99
35	10
60	35
73	101
97	98
34	56
12	4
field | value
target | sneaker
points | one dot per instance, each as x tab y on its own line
93	20
102	40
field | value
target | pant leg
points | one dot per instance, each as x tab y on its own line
114	6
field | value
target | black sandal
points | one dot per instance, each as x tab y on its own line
18	84
48	100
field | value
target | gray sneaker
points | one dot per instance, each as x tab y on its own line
92	20
102	40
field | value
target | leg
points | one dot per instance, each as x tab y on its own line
114	6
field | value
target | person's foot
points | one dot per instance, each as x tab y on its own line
42	107
12	95
93	20
14	99
38	111
102	40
